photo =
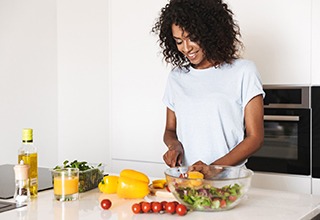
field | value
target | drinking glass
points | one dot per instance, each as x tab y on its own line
66	184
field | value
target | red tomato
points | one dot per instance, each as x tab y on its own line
170	207
156	207
181	209
163	203
146	207
136	208
232	198
105	204
176	203
223	203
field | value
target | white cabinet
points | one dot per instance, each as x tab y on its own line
315	61
137	77
277	37
316	186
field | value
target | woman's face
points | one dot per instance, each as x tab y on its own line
189	48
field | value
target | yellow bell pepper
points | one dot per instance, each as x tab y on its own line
196	177
109	184
135	175
159	184
130	188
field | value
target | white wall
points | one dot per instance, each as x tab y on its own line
28	72
277	37
54	78
315	55
83	80
138	77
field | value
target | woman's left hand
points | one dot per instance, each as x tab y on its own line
208	171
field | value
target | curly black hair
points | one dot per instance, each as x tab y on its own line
210	23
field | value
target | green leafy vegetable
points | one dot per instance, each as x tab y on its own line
75	164
209	197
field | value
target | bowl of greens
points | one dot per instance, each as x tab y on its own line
90	175
224	190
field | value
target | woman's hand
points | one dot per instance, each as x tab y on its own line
208	171
173	157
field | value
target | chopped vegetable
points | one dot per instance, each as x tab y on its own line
159	183
209	197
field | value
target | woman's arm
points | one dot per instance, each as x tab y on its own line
174	155
253	117
252	142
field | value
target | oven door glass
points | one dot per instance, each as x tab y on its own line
286	147
280	140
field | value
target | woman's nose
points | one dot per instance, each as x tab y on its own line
186	47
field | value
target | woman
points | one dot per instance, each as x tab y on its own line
214	98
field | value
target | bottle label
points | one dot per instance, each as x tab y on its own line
33	181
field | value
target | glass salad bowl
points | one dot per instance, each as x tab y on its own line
224	190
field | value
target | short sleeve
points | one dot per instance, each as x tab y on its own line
168	94
252	84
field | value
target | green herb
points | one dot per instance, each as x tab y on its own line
82	166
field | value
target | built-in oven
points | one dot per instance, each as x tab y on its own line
287	131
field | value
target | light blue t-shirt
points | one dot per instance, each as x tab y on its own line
209	106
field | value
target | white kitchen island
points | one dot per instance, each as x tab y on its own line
260	204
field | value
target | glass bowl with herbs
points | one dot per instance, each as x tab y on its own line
90	175
223	191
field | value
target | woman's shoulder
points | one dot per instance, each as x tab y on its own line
244	63
179	70
243	66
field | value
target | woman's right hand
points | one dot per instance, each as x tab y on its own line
173	157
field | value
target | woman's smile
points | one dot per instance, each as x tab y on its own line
189	48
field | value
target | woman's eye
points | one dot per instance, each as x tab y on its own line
178	42
193	39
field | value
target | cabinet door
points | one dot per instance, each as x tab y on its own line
315	186
277	37
315	77
137	77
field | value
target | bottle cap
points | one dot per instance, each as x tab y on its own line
27	134
21	171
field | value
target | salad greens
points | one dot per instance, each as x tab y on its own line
75	164
208	197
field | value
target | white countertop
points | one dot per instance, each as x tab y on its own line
259	204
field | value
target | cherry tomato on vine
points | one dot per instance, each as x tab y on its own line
136	208
105	204
181	209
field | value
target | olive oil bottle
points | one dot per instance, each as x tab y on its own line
28	153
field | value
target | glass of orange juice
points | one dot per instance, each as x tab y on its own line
66	184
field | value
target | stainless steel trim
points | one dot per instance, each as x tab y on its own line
281	118
305	96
